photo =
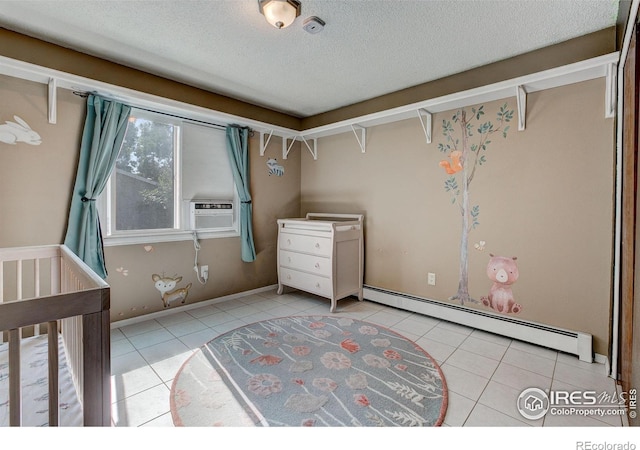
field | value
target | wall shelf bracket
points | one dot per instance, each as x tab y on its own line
521	96
263	143
426	120
362	140
610	92
53	100
314	150
286	147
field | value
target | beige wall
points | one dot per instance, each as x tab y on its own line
36	182
273	197
545	196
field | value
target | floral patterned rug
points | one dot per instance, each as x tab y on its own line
309	371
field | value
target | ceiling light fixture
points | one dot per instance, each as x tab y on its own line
280	13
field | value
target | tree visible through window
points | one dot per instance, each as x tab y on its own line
165	163
145	182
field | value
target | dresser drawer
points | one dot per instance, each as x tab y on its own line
307	263
307	282
307	244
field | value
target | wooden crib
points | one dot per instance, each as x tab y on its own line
48	289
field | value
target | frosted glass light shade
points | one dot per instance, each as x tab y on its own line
280	13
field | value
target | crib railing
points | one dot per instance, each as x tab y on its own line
49	287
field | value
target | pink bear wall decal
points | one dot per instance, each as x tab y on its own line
503	271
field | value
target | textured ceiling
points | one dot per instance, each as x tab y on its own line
367	48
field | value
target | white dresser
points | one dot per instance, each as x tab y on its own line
322	254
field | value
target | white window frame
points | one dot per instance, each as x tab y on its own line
181	230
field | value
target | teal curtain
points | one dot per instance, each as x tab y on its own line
104	129
237	148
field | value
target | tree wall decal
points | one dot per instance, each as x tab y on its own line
465	157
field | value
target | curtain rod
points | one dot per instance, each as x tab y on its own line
204	122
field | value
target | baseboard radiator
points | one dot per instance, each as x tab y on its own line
573	342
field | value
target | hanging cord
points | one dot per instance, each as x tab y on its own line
196	268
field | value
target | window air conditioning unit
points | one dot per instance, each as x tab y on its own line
211	214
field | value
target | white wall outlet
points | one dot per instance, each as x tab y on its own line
431	279
204	272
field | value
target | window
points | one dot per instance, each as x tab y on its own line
163	165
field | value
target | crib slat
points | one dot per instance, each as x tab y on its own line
53	373
36	277
19	279
55	275
36	283
15	394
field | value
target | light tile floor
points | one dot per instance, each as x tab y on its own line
485	373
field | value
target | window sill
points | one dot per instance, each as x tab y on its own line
170	236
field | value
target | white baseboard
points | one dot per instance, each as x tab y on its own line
173	310
569	341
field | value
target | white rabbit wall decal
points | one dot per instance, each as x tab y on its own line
12	132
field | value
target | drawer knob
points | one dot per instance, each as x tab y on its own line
317	245
318	285
289	258
288	277
317	265
288	241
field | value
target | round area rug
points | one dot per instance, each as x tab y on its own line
309	371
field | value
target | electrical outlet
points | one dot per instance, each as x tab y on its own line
204	272
431	279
